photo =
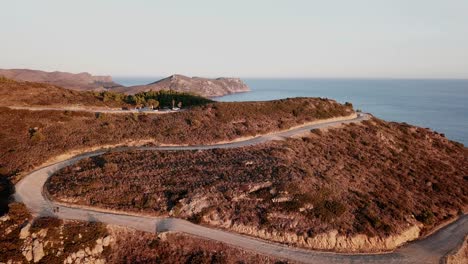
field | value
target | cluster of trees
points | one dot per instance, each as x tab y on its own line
162	98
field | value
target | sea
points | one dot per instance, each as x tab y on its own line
439	104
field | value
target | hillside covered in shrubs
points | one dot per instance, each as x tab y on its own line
29	138
374	178
16	93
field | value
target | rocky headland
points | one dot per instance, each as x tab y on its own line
86	82
201	86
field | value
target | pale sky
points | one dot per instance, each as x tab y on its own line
245	38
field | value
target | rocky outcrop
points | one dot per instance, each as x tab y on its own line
90	255
33	246
193	206
24	233
49	243
80	81
330	241
258	186
201	86
37	250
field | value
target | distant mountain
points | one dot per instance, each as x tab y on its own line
201	86
81	81
85	81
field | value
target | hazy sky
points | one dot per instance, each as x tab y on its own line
246	38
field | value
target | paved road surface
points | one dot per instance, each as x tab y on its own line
429	250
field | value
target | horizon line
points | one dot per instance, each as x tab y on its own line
296	77
161	76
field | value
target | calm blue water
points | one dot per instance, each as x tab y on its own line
441	105
130	81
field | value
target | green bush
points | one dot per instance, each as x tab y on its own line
110	167
329	209
79	235
107	96
5	80
291	206
100	116
37	136
45	222
317	131
164	98
426	217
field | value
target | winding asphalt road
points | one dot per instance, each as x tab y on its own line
30	191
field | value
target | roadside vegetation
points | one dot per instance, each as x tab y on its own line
375	178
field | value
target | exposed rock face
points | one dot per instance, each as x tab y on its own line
332	240
91	255
329	241
106	241
33	247
24	233
201	86
28	252
37	250
258	186
190	207
42	244
80	81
